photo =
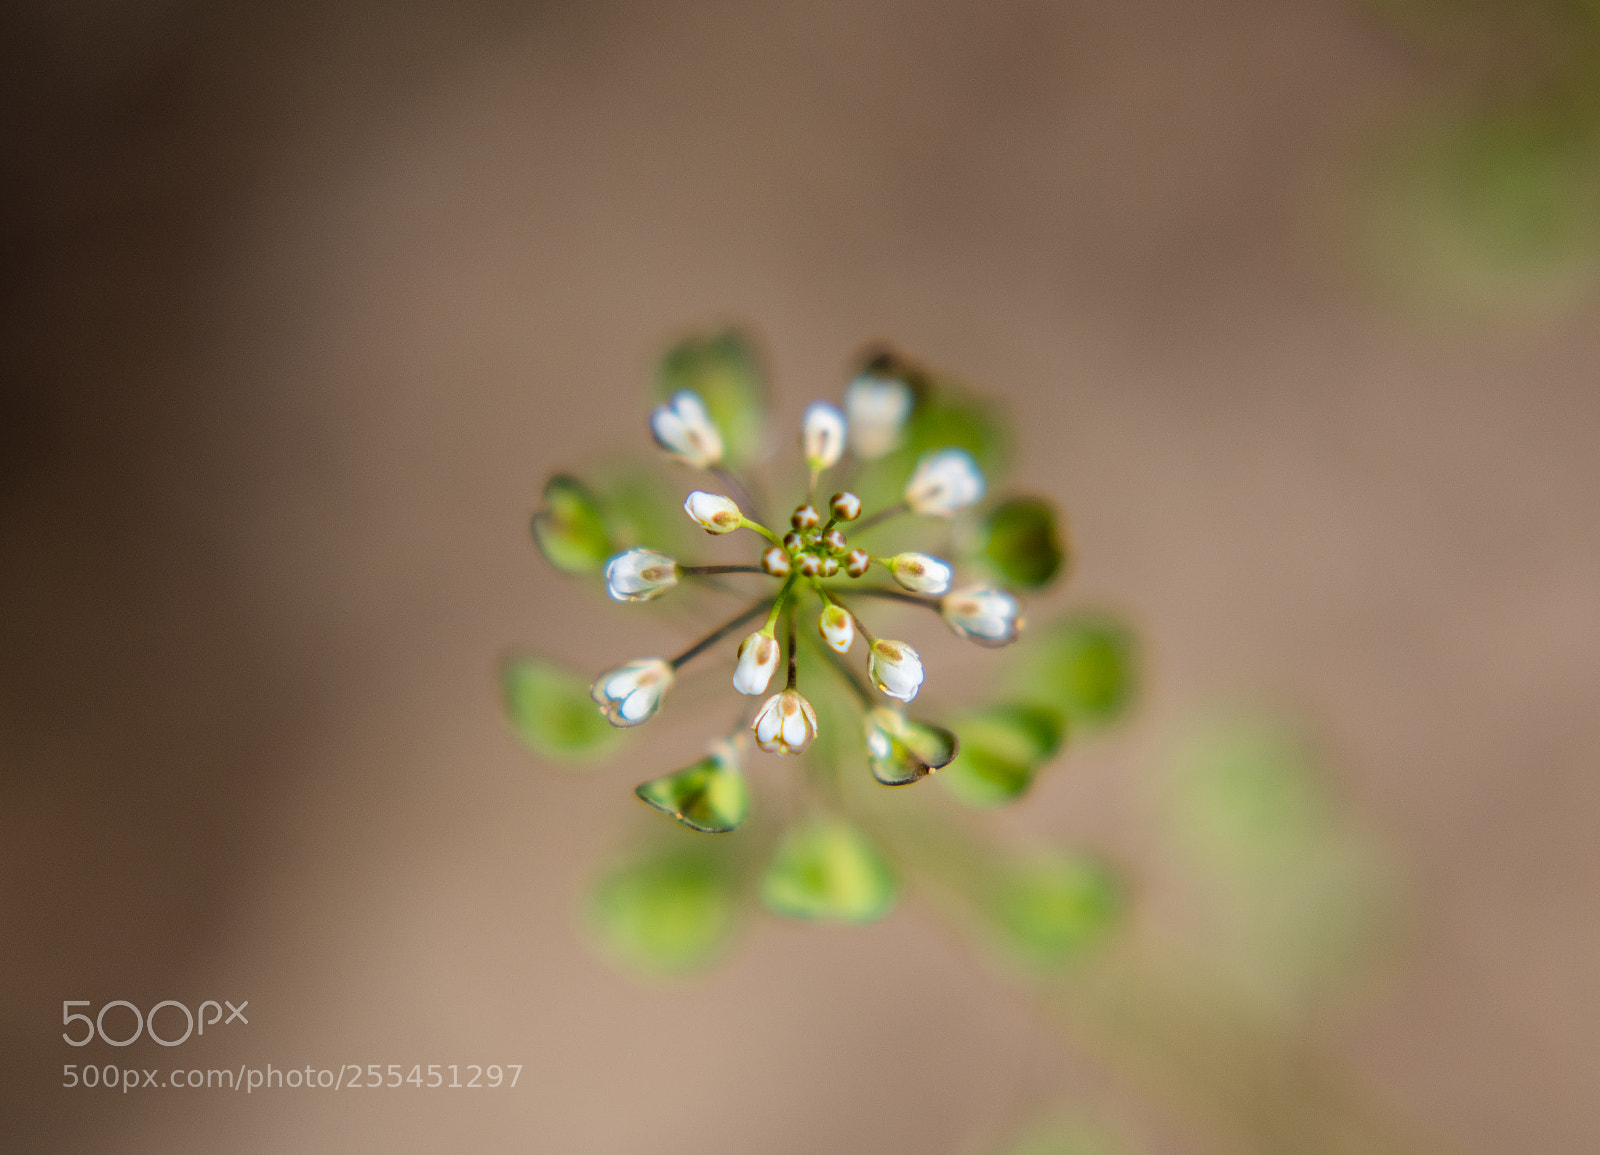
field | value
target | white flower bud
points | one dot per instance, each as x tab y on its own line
785	724
712	512
920	573
758	661
984	614
822	435
896	669
837	627
640	574
630	694
877	408
684	429
945	483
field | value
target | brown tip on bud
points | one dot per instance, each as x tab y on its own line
809	564
805	517
845	506
857	562
793	542
830	566
775	562
834	540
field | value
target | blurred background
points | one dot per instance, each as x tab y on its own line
1293	303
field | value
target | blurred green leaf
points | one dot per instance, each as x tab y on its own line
1064	1135
901	750
949	418
1084	666
1021	542
1300	892
1498	208
1002	747
826	869
1246	793
550	709
668	913
725	370
711	796
1049	907
645	507
570	530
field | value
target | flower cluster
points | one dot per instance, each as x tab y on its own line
903	452
813	559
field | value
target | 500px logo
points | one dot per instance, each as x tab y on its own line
195	1022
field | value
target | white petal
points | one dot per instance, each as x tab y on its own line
794	729
945	483
757	661
637	706
877	409
920	573
768	722
669	429
684	428
622	683
822	435
712	512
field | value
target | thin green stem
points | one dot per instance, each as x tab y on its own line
740	493
722	631
860	625
794	658
881	516
777	604
702	570
896	596
746	523
850	677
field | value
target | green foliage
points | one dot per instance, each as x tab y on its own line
667	913
826	869
711	796
948	418
1084	666
901	750
1021	542
571	530
725	370
645	507
1300	893
1246	795
1002	747
1064	1135
1495	208
1047	908
550	710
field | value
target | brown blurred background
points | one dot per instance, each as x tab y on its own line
300	306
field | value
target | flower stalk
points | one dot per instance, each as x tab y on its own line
716	635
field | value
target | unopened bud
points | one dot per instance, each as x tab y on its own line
775	561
